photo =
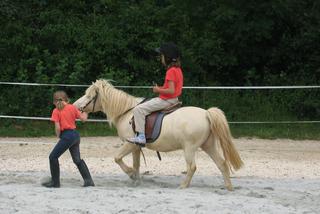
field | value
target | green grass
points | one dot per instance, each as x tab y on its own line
273	131
27	128
17	128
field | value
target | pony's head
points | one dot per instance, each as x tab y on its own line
90	101
103	96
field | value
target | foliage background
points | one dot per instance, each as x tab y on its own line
224	43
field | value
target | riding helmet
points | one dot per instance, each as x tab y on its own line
169	50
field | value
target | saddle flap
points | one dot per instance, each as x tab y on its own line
150	121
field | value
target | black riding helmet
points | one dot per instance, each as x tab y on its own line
170	51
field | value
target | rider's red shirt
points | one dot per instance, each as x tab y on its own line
173	74
66	117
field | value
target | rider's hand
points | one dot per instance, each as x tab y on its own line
156	89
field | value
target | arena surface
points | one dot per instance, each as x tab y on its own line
279	176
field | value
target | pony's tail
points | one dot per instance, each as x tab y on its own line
220	129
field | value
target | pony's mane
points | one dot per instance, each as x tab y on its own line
114	102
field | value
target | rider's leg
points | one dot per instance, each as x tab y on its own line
141	111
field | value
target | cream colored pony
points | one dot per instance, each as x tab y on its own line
188	128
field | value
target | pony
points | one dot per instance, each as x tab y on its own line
187	128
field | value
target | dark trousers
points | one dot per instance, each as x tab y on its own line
69	139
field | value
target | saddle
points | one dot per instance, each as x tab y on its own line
154	122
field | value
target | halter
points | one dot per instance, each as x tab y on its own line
94	99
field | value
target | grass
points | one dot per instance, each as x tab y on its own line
17	128
273	131
25	128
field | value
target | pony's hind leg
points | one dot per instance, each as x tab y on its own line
210	147
126	149
191	166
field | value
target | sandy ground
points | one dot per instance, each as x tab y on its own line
280	176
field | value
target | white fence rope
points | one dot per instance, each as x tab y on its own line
185	87
105	120
46	118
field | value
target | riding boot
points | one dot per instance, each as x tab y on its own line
84	171
55	174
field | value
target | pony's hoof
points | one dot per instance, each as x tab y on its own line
230	188
135	183
134	176
183	186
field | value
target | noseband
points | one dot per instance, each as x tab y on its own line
94	100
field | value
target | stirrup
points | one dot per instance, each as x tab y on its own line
137	141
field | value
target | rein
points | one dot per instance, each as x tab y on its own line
145	99
131	108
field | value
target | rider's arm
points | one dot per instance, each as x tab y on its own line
169	90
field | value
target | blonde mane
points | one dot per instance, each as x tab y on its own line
114	102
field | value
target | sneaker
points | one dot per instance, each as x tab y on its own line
140	139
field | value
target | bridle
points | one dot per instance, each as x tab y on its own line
94	100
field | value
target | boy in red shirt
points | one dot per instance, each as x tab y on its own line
168	93
64	117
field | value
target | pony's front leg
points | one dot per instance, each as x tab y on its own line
126	149
135	175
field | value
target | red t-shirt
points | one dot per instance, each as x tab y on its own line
173	74
66	117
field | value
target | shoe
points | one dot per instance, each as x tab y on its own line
84	171
140	139
55	175
51	184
